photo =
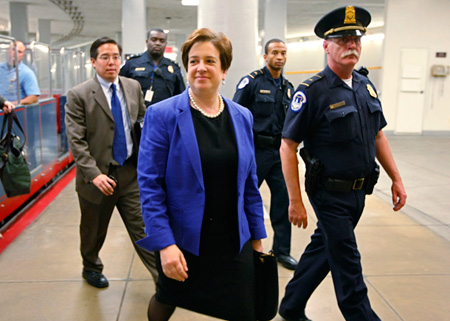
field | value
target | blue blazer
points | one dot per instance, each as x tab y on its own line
171	180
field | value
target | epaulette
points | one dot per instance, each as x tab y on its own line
256	73
308	82
174	62
134	56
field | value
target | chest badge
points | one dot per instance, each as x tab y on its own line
170	69
289	93
371	91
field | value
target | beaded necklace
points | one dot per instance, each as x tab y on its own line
221	106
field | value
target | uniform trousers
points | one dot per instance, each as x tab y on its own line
95	219
332	248
268	168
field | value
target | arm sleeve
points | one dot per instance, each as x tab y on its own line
76	134
151	170
243	96
30	84
253	205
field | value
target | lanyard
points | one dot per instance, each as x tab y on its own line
151	79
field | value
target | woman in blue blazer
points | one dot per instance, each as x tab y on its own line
199	191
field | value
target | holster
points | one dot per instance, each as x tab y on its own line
372	180
313	172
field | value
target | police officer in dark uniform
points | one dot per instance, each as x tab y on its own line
160	78
267	94
338	116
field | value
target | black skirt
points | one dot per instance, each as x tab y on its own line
222	288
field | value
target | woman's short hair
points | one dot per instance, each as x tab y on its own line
218	39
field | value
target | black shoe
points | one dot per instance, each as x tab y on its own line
287	261
303	318
96	279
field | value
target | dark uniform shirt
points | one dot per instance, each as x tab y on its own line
266	99
338	124
166	84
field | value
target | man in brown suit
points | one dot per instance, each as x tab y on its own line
100	116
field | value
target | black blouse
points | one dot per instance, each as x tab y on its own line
219	157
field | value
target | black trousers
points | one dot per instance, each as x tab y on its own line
268	168
332	248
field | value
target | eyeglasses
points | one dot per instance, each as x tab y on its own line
341	41
106	58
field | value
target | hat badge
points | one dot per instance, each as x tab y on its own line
350	16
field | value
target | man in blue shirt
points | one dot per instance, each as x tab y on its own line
338	117
28	84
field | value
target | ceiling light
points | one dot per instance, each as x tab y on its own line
189	2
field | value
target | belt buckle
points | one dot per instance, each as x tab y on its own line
358	184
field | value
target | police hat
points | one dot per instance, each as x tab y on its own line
345	21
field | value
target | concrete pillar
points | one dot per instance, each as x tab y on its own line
44	31
133	26
19	20
118	37
275	17
179	39
238	20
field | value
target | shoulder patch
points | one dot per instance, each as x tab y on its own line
298	101
308	82
256	73
244	82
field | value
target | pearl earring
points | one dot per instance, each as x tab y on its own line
223	81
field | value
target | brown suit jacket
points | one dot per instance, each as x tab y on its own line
90	130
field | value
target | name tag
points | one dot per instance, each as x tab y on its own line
337	105
139	68
149	95
264	91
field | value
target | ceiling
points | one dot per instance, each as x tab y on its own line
103	17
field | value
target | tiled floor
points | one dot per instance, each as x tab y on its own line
405	255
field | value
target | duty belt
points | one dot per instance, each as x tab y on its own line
263	141
340	185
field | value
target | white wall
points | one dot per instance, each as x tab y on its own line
310	56
417	24
408	25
